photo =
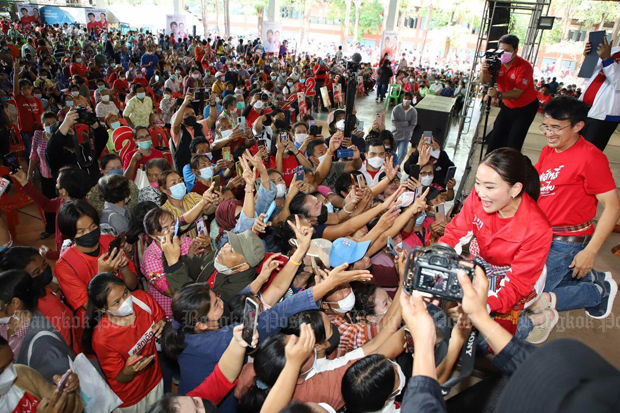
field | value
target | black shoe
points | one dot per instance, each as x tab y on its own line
44	235
610	289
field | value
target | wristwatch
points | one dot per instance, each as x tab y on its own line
499	95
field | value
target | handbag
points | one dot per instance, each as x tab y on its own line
96	394
142	179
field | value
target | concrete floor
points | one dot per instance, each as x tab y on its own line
601	335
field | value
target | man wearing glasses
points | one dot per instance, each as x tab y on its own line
574	177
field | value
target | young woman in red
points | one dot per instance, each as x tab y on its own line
507	230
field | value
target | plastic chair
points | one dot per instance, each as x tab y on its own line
394	92
160	141
11	205
16	144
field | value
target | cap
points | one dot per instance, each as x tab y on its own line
319	248
219	74
249	245
563	376
345	250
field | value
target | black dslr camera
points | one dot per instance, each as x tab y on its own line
492	56
432	271
86	116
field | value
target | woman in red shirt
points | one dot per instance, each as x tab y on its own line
121	330
509	232
77	67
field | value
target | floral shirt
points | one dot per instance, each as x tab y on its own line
139	112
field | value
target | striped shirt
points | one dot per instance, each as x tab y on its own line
39	145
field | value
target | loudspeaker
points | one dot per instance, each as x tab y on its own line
500	18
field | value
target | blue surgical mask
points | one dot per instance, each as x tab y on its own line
206	173
330	207
145	145
101	87
321	158
141	95
302	81
178	191
115	125
420	219
69	103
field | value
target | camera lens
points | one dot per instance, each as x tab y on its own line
439	261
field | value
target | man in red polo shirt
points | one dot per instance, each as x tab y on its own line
515	86
574	177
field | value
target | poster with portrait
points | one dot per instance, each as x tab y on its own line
28	15
272	37
338	98
389	44
96	20
301	101
176	26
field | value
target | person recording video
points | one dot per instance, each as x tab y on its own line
515	86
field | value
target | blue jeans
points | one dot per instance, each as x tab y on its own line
382	90
27	139
570	292
401	148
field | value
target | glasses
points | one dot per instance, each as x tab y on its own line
553	129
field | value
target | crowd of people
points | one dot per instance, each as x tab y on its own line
217	248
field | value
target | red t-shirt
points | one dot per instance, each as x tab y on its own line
569	183
114	344
215	387
520	76
288	167
29	111
141	81
543	100
120	86
155	154
57	313
78	69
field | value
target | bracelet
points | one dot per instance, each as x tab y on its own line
344	208
294	262
249	191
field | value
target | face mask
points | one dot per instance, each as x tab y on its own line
406	102
376	162
7	378
330	207
340	124
38	95
435	153
300	138
89	240
69	103
105	98
75	94
173	77
505	58
195	75
145	145
124	310
48	129
101	87
280	191
178	191
190	121
138	75
222	269
4	99
346	304
302	81
226	133
327	408
426	180
122	79
154	184
322	218
321	158
141	95
334	340
258	105
115	125
43	279
115	172
420	219
206	173
78	60
289	84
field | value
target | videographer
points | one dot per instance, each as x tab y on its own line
515	86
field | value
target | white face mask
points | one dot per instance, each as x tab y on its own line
7	378
376	162
124	310
346	304
226	133
321	158
105	98
300	138
340	124
48	129
222	269
426	180
420	219
280	191
330	207
406	102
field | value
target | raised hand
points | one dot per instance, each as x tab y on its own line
298	349
339	275
303	234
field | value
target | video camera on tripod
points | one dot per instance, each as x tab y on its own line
353	67
492	57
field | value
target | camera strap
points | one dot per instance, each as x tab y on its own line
468	358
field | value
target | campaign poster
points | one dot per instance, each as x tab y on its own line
272	37
29	15
176	26
389	45
96	20
301	101
338	98
325	95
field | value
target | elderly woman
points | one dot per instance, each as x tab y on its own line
105	107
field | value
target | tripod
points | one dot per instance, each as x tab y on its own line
487	111
350	94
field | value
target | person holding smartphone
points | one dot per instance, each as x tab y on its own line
404	120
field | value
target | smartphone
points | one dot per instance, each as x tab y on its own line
261	142
419	192
360	125
241	122
344	153
391	246
200	226
226	154
137	359
177	225
250	318
300	174
117	242
361	181
63	383
428	137
440	212
455	208
283	137
12	162
315	267
450	174
269	212
315	130
311	123
217	182
239	168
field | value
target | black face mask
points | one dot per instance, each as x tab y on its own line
190	121
44	279
334	341
322	218
226	318
89	240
